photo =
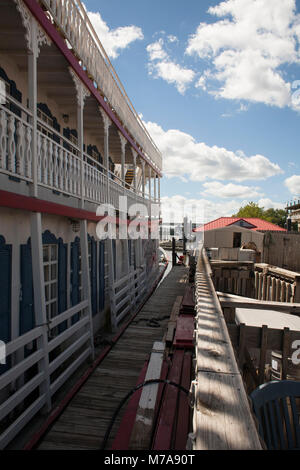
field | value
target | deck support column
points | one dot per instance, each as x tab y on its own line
82	94
123	145
143	178
107	123
134	156
35	37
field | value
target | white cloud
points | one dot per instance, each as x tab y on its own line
267	203
161	66
293	184
156	51
246	47
172	38
231	190
114	40
184	157
175	208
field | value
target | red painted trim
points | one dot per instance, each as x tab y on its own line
122	438
27	203
63	404
183	418
38	13
167	416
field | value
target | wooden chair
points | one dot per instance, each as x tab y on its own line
275	407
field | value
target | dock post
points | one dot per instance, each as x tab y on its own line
173	252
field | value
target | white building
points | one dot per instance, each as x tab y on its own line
70	140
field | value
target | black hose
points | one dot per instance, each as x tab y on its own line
135	389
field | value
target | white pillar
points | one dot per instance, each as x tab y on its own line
123	146
32	100
106	122
134	157
82	94
35	37
143	178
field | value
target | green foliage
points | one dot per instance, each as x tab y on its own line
252	209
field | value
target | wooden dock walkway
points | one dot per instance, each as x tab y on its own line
84	422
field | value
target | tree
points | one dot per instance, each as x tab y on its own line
276	216
252	209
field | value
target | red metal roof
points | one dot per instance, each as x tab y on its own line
256	224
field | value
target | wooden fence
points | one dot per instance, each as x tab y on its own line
282	249
245	338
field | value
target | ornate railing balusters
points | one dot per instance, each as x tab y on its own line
11	154
3	138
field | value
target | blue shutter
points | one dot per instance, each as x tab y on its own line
27	321
5	297
101	275
93	275
75	276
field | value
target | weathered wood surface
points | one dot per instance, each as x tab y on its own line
143	426
172	322
236	301
84	422
222	416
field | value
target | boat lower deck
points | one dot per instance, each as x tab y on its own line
84	422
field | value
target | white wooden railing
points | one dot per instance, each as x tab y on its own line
127	293
73	22
55	359
58	164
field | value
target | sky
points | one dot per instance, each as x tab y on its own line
217	84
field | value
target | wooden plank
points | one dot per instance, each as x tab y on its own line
170	333
122	438
263	353
242	344
222	416
231	300
176	308
141	434
183	419
184	335
163	432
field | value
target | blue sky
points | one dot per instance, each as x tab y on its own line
217	86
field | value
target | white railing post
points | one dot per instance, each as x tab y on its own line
39	299
86	285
